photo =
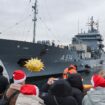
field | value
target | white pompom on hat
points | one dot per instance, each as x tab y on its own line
29	89
19	76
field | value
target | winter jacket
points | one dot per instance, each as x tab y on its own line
62	91
95	97
76	81
76	93
4	83
29	100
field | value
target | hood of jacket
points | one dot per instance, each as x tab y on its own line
96	96
61	88
76	81
29	100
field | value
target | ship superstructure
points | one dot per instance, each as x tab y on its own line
92	40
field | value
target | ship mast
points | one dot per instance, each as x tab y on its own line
34	20
92	23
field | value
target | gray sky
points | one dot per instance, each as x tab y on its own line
56	19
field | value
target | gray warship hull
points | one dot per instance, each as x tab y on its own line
55	59
86	50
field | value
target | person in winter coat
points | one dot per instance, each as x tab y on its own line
4	83
76	93
96	96
60	93
75	81
29	95
19	78
69	70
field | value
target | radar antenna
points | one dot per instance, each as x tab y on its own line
92	23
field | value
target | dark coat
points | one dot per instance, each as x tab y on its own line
76	81
3	85
78	95
62	90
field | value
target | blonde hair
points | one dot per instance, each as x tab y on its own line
102	73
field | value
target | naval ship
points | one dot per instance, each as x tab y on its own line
86	49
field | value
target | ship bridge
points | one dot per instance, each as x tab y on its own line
92	38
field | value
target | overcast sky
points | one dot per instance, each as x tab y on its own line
56	19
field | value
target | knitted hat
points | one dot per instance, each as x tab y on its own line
29	89
19	76
97	80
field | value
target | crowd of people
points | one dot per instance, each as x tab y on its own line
68	90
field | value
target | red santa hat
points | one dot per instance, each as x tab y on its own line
19	76
97	80
29	89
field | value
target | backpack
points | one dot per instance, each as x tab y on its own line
5	101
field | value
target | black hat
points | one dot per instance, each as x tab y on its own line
61	88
